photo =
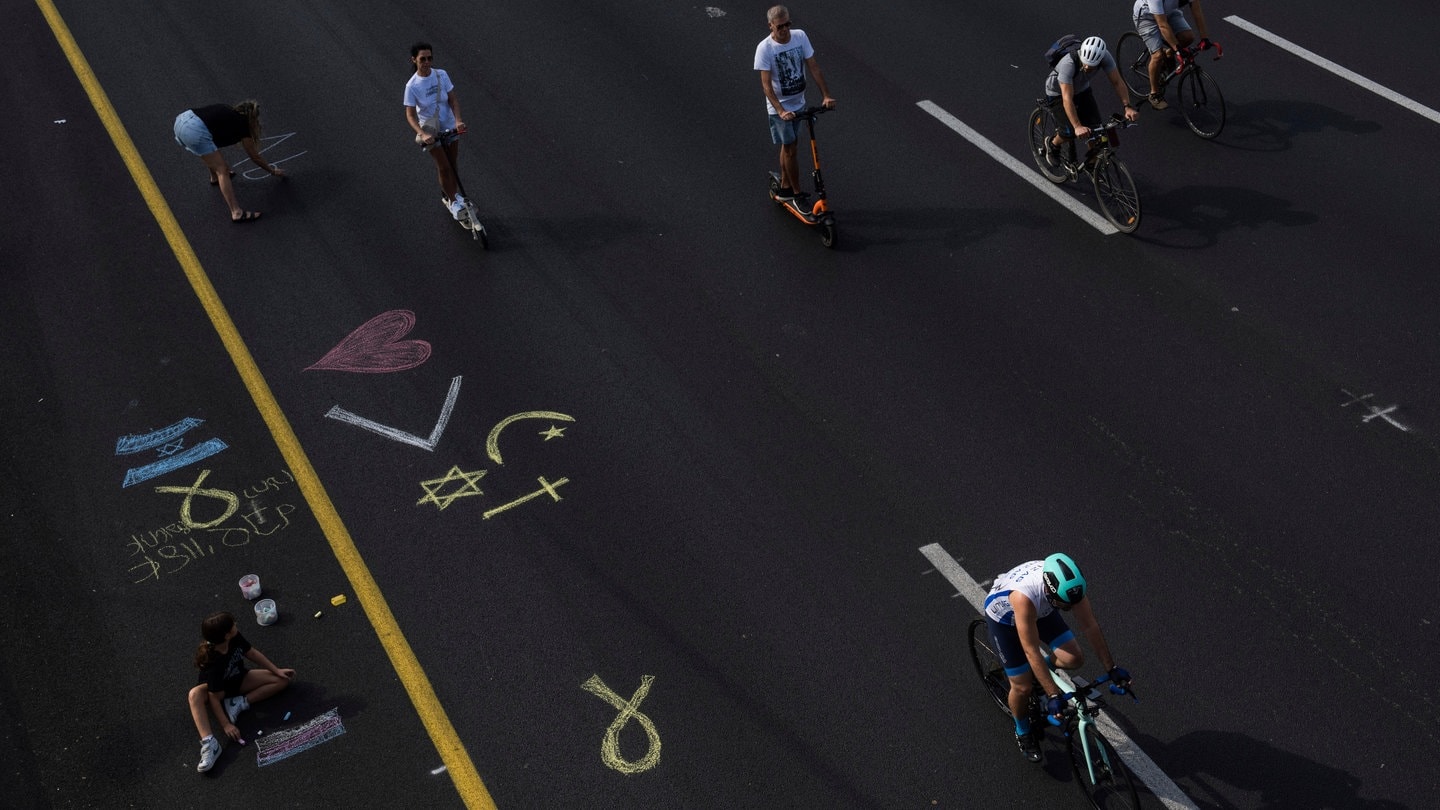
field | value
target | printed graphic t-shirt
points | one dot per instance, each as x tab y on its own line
786	64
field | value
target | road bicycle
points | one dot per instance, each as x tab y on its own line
1099	771
1197	93
471	220
817	214
1114	187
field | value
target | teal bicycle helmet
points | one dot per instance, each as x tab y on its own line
1063	580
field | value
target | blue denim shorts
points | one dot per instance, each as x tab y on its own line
191	133
782	131
1149	30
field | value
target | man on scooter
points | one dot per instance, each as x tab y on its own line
781	59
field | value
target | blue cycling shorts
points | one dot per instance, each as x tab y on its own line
1053	631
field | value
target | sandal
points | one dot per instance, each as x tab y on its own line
248	216
214	181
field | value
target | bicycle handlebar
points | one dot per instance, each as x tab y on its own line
1069	698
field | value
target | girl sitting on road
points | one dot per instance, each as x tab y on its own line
226	686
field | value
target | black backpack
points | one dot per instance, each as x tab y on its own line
1068	45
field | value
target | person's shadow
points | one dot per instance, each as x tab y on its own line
1279	778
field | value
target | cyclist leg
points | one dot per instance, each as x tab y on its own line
1149	31
1065	652
1089	112
1184	34
1017	669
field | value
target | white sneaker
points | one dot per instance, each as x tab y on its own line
457	207
235	705
209	753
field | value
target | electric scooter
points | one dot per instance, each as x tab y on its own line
471	222
817	213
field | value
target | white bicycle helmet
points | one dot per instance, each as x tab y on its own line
1092	51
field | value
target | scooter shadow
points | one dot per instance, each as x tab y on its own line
859	229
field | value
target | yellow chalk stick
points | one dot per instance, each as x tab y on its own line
337	600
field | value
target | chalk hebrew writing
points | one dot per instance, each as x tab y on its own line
433	486
283	744
340	414
629	709
269	143
171	548
376	347
170	444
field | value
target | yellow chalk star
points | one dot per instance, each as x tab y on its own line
432	487
553	433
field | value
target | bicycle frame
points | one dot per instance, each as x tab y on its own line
1082	706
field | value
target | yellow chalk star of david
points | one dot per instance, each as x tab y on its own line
432	487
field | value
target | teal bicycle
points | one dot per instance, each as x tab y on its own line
1099	771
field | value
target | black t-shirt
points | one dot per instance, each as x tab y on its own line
225	672
225	124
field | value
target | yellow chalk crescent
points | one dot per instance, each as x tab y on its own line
492	442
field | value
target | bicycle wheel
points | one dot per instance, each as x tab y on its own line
1133	60
1201	102
988	666
1115	190
1111	787
1042	128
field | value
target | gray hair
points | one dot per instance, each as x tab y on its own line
777	12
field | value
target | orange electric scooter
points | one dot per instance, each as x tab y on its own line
818	213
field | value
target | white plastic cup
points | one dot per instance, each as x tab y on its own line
250	586
265	612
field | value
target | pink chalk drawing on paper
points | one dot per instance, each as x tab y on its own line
377	347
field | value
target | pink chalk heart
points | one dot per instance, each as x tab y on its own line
376	347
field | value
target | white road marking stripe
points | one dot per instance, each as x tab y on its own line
1026	173
1141	765
1344	73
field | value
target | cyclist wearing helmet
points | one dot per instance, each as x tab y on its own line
1161	24
1021	612
1070	83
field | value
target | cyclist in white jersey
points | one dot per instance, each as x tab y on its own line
1161	24
1021	614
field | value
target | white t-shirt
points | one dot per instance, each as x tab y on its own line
1024	578
430	96
786	64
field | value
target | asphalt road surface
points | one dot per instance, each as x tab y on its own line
628	509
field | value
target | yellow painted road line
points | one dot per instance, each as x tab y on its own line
402	658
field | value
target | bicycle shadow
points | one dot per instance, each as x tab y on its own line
1272	125
1201	761
1196	216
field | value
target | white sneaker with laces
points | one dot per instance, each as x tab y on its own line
457	207
235	705
209	753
